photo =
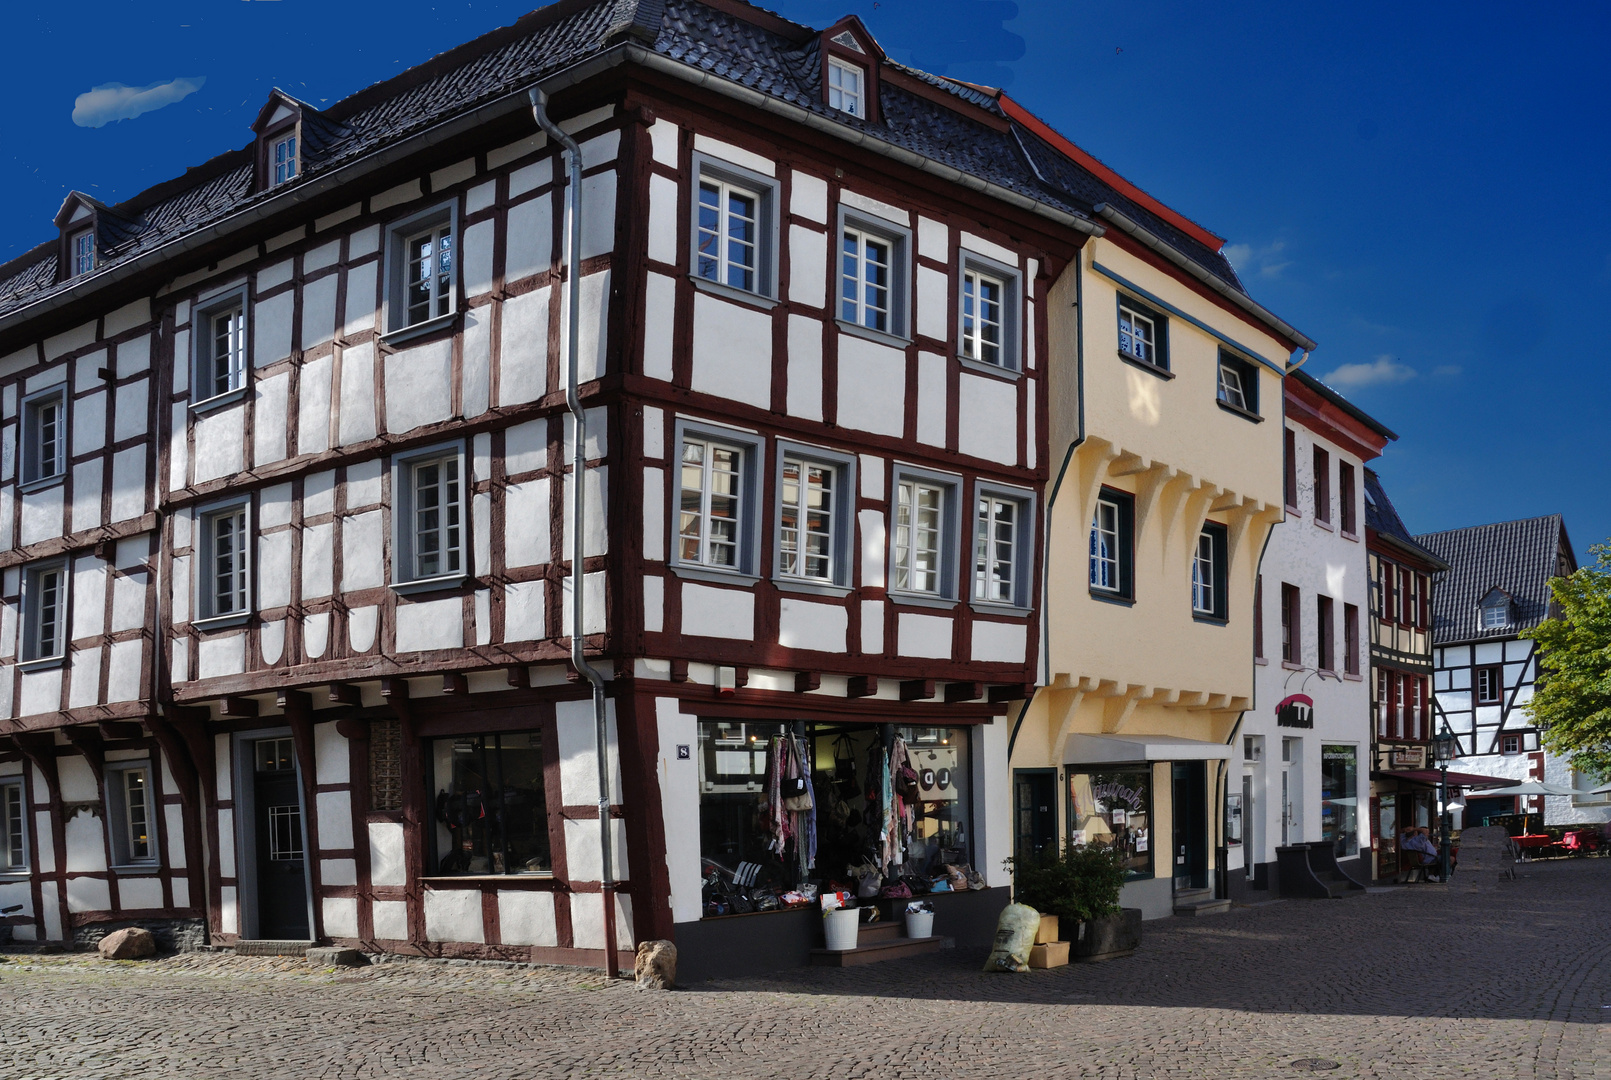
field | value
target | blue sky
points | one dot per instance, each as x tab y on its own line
1420	188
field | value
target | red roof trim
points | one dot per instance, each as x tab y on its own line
1107	175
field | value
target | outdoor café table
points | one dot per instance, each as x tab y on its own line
1529	842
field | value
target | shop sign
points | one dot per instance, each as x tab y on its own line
1409	757
1298	710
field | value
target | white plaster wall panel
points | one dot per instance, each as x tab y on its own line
483	617
523	611
476	256
179	661
363	241
1029	424
705	144
600	148
663	220
933	304
523	348
130	410
872	386
316	634
128	481
719	613
598	434
140	893
924	635
529	241
988	427
1029	321
527	177
872	627
313	399
872	547
989	768
84	686
481	532
390	919
273	570
126	317
271	277
322	256
386	865
123	671
86	369
872	477
988	248
49	899
578	753
181	892
361	293
45	849
806	625
128	600
591	331
19	895
663	142
319	493
132	356
86	845
419	386
654	604
363	484
41	693
361	626
583	859
272	398
335	820
679	807
587	921
219	655
179	589
999	643
87	494
363	551
432	624
318	548
595	531
229	910
525	447
357	420
88	894
476	380
331	760
89	423
319	311
598	220
173	817
732	351
526	539
654	521
527	918
8	445
453	915
271	641
223	776
1490	652
457	173
77	781
480	197
340	915
659	306
220	437
877	208
654	432
395	196
808	266
76	338
271	330
89	597
8	632
593	602
178	450
931	398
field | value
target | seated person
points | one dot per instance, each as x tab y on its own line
1416	839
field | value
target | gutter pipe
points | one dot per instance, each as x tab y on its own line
573	402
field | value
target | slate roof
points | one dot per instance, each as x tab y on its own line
767	54
1519	557
1381	517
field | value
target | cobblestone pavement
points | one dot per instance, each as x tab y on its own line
1480	980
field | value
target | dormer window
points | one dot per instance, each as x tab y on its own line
1495	615
282	158
846	87
81	248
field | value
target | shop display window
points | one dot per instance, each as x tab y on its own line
1339	798
1113	808
751	853
490	807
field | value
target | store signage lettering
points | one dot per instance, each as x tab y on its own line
1410	757
1117	792
1298	710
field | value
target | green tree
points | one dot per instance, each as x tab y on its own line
1572	702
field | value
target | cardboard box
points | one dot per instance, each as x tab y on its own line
1052	954
1047	931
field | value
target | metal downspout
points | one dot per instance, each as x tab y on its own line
573	402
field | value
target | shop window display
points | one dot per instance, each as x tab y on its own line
1113	808
788	812
491	810
1339	798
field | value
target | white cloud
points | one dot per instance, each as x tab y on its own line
114	101
1382	371
1265	261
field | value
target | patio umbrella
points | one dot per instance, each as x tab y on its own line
1531	787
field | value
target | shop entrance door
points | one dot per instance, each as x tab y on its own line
1034	811
282	890
1191	825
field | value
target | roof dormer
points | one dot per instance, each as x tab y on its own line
279	141
1494	611
850	65
79	247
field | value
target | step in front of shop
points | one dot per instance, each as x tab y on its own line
1194	902
875	943
262	947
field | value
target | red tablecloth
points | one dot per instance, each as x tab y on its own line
1540	840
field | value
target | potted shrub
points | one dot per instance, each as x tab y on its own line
1080	885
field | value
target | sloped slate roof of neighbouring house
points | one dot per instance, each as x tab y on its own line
762	52
1519	557
1382	517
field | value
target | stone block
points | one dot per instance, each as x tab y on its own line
130	943
335	956
656	966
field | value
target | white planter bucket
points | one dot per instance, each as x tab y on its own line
840	928
919	924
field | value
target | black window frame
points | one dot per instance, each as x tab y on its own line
1126	504
1498	671
1248	372
1220	538
1160	328
1325	633
1347	499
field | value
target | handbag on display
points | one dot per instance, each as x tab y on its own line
867	885
906	784
898	891
844	765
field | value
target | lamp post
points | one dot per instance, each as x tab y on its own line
1443	746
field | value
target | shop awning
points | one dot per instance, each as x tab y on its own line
1433	778
1102	749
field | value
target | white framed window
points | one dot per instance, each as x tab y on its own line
846	82
1001	539
44	435
987	314
1494	613
132	814
1238	384
1230	386
1110	573
734	228
422	271
220	346
283	159
428	516
1137	336
922	542
81	250
1510	744
806	515
710	522
1203	575
13	827
864	275
224	583
45	611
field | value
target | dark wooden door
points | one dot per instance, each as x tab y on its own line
282	891
1191	825
1035	809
